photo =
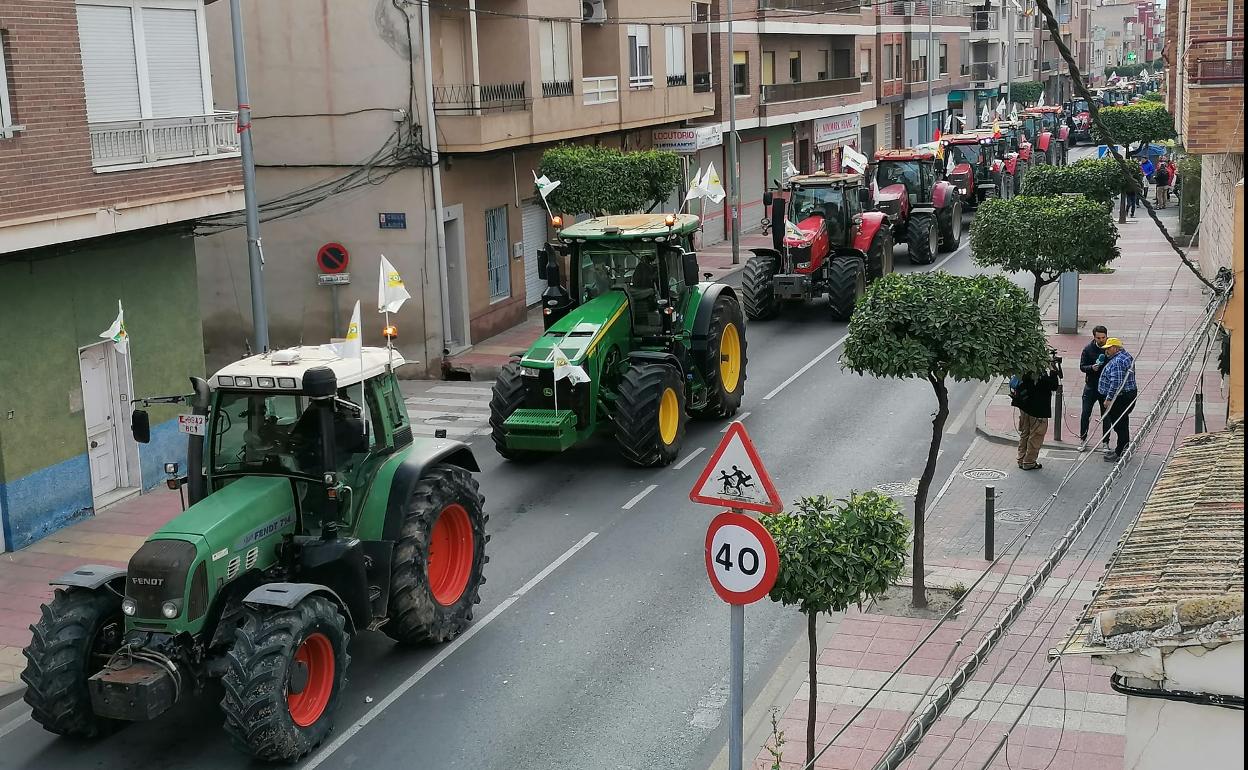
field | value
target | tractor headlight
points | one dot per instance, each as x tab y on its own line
528	371
265	382
803	265
242	382
129	606
170	609
225	382
287	382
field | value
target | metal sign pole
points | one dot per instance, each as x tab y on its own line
736	681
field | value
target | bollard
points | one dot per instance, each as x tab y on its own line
1200	412
990	515
1057	414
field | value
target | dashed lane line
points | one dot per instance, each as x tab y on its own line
689	458
628	506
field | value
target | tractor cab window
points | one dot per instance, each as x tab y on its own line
629	267
674	270
900	173
257	432
827	202
927	174
965	153
1048	120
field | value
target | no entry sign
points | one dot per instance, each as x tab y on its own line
741	558
332	258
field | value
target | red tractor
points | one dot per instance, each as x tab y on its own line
972	166
1009	159
1048	133
826	241
924	209
1082	116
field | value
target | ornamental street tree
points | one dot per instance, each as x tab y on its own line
1026	91
1140	123
1043	235
601	180
937	326
1101	180
834	554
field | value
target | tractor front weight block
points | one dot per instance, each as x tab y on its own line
139	692
541	430
792	286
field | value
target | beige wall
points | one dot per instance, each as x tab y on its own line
1234	319
1218	176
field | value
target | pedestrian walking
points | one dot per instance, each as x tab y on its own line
1161	181
1117	386
1132	196
1091	360
1032	395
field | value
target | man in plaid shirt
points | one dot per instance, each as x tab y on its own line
1117	386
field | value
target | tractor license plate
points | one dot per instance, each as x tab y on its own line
792	286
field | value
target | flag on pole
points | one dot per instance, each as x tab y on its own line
1040	101
545	186
117	332
1001	108
790	170
564	369
352	345
391	293
791	230
696	190
1014	112
853	159
713	187
875	188
985	116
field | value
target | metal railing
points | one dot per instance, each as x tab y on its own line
811	89
149	140
677	80
1047	65
982	21
701	82
472	99
601	90
980	70
919	8
641	81
1218	72
811	6
554	88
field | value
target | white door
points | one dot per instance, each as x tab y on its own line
534	227
99	394
753	174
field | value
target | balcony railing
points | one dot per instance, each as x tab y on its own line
1218	72
920	8
701	82
677	80
980	70
640	81
150	140
982	21
555	88
1047	65
812	89
473	99
811	6
601	90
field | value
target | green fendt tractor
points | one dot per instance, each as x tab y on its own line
634	343
313	515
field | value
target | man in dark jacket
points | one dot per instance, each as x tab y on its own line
1090	362
1035	406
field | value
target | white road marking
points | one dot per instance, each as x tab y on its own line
16	723
318	758
739	418
806	368
688	458
640	495
463	389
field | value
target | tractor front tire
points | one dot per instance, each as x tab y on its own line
71	641
509	394
880	255
922	238
951	227
650	414
847	282
724	365
439	559
286	673
758	288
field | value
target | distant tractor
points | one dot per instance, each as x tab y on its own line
924	209
315	515
825	240
1047	132
1082	116
974	168
1009	160
634	345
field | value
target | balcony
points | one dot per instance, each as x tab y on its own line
474	99
811	6
811	89
980	71
675	81
1209	72
553	89
984	21
601	90
911	8
701	82
151	141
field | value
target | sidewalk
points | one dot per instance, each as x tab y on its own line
482	361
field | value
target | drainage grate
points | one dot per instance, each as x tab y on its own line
1016	515
984	474
899	488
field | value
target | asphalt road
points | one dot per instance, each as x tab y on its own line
599	643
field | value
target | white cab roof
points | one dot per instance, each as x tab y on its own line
290	364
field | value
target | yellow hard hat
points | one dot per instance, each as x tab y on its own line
1112	342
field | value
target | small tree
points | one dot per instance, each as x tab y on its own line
935	326
602	180
1045	236
1189	194
1140	123
1153	96
1099	180
834	554
1026	91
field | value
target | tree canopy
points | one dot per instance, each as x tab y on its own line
1099	180
1142	122
1026	91
601	180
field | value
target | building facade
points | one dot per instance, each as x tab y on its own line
110	146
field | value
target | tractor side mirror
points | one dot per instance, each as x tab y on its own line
141	426
689	261
543	259
767	199
552	273
864	197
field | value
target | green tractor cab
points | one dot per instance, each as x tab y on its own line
314	514
633	344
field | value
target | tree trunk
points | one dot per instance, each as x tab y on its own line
1035	289
1122	207
918	593
814	687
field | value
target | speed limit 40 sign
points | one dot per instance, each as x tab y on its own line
741	558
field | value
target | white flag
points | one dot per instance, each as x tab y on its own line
117	332
875	188
791	230
391	293
352	345
1040	101
790	170
1014	112
854	159
1001	109
563	368
696	190
984	116
545	186
713	187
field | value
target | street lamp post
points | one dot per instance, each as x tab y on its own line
734	178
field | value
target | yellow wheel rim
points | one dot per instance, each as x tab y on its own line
730	358
669	416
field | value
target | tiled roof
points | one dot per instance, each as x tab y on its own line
1182	567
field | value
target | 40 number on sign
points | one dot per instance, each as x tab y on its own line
741	558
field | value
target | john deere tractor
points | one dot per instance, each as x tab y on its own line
826	240
924	209
314	515
634	344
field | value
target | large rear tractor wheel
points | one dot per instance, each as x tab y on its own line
724	365
72	640
847	282
439	558
758	288
951	227
880	255
923	239
650	414
509	394
287	671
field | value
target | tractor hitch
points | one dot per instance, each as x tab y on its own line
133	690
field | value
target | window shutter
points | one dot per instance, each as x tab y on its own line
562	39
546	45
174	77
109	71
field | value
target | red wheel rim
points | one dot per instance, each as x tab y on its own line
317	655
450	555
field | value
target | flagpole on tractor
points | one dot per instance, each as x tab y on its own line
734	177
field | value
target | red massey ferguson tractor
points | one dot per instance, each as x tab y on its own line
1082	116
1012	167
925	210
825	239
972	166
1048	133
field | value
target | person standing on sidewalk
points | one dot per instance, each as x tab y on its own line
1146	168
1034	401
1090	362
1117	386
1161	181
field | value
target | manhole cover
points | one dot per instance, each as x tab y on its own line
899	488
984	474
1016	515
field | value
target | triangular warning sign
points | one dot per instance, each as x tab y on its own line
735	476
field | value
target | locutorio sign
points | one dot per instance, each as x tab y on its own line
687	141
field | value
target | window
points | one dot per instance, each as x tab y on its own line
864	64
842	64
639	56
142	61
918	59
826	63
496	253
897	70
7	129
769	68
556	57
740	73
674	38
795	66
944	59
886	61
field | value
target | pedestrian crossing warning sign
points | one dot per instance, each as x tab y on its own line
735	476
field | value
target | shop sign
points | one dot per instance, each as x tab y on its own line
837	127
687	141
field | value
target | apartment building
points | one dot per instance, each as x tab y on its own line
110	146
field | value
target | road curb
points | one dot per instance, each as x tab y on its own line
11	693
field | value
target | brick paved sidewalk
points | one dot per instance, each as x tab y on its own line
109	537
